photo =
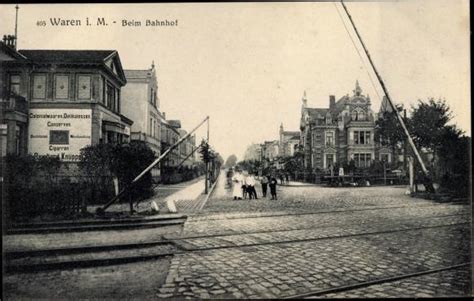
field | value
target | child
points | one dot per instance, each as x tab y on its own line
272	184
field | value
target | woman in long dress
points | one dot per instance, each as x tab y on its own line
237	180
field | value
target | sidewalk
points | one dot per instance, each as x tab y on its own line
297	184
162	194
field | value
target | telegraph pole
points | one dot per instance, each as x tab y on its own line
206	156
405	143
16	26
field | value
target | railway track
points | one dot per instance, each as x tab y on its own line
323	212
365	284
90	256
224	234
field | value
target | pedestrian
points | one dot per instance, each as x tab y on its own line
250	181
244	185
273	184
264	183
287	178
237	188
281	179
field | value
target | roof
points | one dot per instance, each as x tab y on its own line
313	112
174	123
295	137
12	52
68	56
91	57
138	73
291	133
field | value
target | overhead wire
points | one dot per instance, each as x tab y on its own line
358	52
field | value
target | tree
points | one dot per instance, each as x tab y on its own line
124	161
428	122
388	131
231	161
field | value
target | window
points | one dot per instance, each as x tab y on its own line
362	160
39	86
58	137
361	137
150	127
329	160
328	119
84	87
15	84
354	115
358	114
109	101
61	87
118	100
329	138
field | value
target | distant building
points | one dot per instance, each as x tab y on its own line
253	153
289	141
186	149
340	133
270	150
73	96
169	136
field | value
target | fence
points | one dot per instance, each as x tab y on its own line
64	196
373	178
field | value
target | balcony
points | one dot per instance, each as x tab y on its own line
14	103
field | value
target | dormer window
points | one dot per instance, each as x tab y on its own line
358	115
328	119
354	115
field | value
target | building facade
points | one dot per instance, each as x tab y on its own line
75	101
14	87
270	150
340	133
73	98
187	149
253	153
141	104
169	136
289	141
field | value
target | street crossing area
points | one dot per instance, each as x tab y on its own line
313	242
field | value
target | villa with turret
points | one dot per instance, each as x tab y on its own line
340	133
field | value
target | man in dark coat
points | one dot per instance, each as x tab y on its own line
273	190
264	183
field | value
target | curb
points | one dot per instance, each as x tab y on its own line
99	227
208	195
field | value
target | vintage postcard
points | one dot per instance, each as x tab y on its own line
254	150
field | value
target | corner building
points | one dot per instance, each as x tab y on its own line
74	101
340	133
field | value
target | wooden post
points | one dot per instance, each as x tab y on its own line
412	175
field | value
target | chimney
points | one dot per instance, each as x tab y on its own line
332	101
164	115
9	40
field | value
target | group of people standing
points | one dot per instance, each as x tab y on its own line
244	185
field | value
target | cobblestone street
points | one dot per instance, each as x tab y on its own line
313	241
316	239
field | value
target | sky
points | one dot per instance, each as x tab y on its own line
246	65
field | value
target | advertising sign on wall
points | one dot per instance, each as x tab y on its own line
59	132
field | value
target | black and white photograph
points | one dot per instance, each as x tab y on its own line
236	150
